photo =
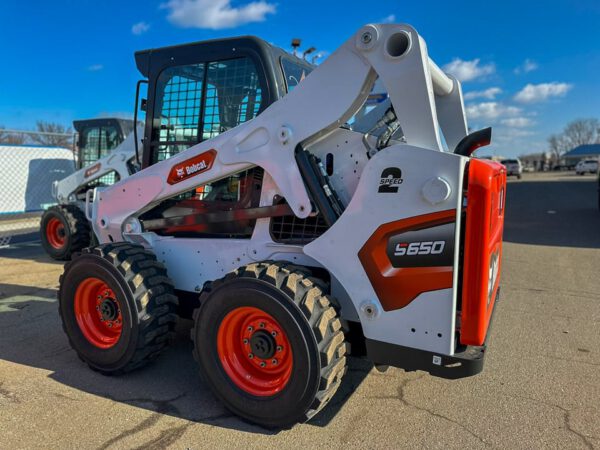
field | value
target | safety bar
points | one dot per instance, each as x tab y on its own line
54	189
442	83
89	198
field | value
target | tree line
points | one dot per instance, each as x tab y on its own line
48	134
576	133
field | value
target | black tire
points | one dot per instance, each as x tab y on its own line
310	323
144	294
75	231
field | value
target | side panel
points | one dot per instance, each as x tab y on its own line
407	257
426	321
483	248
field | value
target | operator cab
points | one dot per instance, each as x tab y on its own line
199	90
97	137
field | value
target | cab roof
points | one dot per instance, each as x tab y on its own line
145	58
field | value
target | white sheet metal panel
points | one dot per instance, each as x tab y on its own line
27	173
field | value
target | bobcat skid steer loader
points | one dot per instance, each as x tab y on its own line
105	155
299	237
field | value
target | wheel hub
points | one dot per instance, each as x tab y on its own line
98	313
56	235
109	310
263	344
255	351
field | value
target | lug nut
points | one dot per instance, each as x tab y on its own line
250	328
262	325
262	364
279	348
97	308
109	325
99	297
250	355
245	341
273	361
273	333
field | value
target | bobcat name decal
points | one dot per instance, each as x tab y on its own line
191	167
92	170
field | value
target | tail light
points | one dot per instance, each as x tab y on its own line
482	248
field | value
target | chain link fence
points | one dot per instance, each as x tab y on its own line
30	161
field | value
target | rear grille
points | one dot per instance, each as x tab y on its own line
293	230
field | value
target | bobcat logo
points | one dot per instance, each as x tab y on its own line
493	274
180	172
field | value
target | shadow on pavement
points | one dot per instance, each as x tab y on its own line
556	213
31	251
32	335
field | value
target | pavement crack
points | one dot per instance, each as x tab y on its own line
402	397
165	439
571	360
216	417
160	407
66	397
60	351
11	397
566	418
569	292
145	424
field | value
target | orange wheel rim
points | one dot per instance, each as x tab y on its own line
56	233
254	351
98	313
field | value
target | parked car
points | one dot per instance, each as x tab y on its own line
586	166
513	167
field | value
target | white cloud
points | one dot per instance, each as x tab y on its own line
469	70
389	19
511	134
491	111
518	122
215	14
140	28
533	93
95	67
489	94
527	66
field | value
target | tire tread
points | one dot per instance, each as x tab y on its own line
153	297
308	293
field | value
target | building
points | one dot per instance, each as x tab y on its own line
536	161
588	151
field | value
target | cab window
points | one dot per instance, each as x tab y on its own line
293	72
97	142
199	101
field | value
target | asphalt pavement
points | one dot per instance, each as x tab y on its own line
540	387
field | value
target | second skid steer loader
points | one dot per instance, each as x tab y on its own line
105	154
298	234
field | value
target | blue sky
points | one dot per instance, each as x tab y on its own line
529	67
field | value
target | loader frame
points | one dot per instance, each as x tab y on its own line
408	186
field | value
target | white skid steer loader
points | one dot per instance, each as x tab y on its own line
105	155
298	237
